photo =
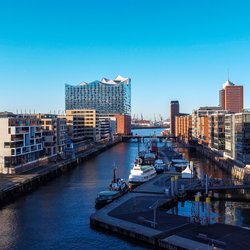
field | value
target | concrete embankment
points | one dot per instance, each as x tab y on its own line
236	169
14	186
143	216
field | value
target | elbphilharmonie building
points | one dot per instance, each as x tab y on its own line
110	97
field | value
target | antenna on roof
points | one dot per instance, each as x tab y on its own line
228	74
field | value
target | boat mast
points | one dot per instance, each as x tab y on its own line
138	151
114	175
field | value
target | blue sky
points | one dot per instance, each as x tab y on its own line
172	50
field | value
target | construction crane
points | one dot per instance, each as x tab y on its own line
161	119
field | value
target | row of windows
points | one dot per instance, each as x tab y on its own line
104	98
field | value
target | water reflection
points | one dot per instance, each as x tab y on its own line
56	216
226	212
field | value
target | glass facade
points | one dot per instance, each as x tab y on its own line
230	135
106	96
242	137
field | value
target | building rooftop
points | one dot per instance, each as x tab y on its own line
210	108
118	80
228	83
6	114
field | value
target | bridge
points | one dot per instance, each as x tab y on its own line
140	138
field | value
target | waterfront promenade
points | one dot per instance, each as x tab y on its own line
142	215
56	215
15	185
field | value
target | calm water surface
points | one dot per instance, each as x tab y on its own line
56	216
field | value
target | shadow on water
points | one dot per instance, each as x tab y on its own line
56	216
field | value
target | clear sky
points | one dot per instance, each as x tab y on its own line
171	49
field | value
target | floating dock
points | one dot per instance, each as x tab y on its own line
142	215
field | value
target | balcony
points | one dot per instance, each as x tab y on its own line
38	140
26	150
18	152
15	138
38	135
49	144
16	144
34	148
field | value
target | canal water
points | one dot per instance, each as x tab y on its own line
56	216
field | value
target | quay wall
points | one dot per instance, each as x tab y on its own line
236	169
119	230
19	185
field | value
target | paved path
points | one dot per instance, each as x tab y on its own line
133	215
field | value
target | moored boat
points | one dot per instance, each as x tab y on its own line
187	173
179	164
141	173
149	158
159	166
106	197
117	188
154	145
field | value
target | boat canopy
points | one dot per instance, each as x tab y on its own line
187	173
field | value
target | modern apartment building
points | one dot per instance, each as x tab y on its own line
217	130
237	136
204	135
75	127
242	137
105	130
230	136
174	111
231	97
196	126
90	122
112	125
183	127
20	142
108	97
54	134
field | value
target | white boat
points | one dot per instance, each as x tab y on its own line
159	163
179	164
187	173
141	173
159	166
179	161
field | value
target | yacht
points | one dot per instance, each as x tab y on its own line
141	173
